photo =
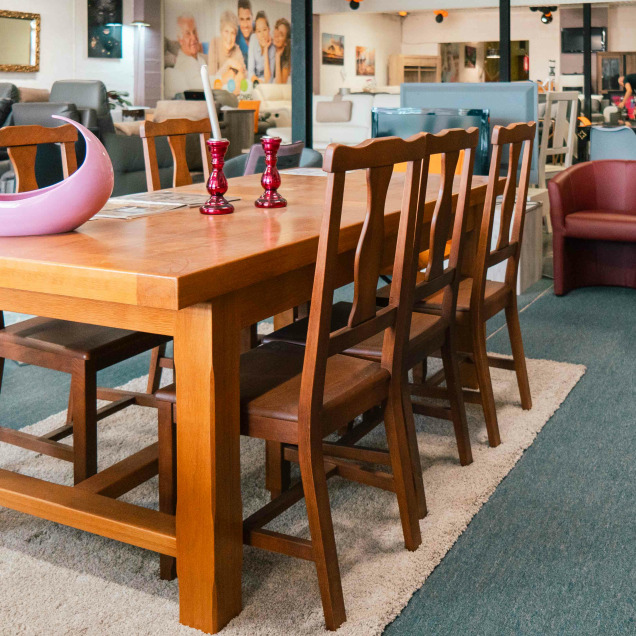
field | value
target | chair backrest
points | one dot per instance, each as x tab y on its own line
377	157
612	143
518	139
288	157
251	104
22	145
442	265
175	130
560	138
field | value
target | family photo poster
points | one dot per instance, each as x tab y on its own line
241	41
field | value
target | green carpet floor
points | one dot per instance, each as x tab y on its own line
554	549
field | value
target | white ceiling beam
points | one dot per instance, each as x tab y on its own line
380	6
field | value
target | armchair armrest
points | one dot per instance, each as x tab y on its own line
561	200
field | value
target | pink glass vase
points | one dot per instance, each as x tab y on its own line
271	177
217	183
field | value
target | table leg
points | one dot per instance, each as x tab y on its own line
209	510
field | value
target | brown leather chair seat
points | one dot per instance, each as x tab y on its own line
270	388
370	349
601	225
494	295
78	340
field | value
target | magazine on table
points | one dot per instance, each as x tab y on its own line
126	208
120	208
166	198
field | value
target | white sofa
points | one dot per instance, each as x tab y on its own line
277	100
351	132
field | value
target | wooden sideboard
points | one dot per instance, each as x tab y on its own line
414	68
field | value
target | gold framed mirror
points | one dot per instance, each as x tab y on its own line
19	41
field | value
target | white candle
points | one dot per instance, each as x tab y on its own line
209	100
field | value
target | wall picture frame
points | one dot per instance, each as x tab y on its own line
365	61
333	49
470	56
105	19
20	37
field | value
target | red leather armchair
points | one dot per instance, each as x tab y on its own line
593	210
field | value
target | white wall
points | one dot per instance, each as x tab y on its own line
421	34
64	47
379	31
621	32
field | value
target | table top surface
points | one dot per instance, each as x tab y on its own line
181	257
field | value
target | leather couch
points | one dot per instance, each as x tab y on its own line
330	126
593	210
126	153
276	100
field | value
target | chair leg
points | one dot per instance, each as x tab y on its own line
312	471
167	479
400	450
485	383
516	344
456	399
277	469
154	373
69	410
416	462
1	371
249	338
419	372
84	396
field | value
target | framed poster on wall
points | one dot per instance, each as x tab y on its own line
365	61
105	18
243	42
332	49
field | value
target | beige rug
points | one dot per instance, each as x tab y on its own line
56	580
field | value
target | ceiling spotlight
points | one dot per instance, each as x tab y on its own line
546	13
403	14
440	14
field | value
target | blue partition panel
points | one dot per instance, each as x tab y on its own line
405	122
507	103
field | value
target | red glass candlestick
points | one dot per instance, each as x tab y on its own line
217	183
271	177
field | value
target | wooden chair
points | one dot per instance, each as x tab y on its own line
288	157
558	138
297	396
479	298
175	130
428	333
80	350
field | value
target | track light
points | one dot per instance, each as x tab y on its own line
440	14
546	13
354	5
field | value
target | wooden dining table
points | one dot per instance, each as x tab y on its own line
201	280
